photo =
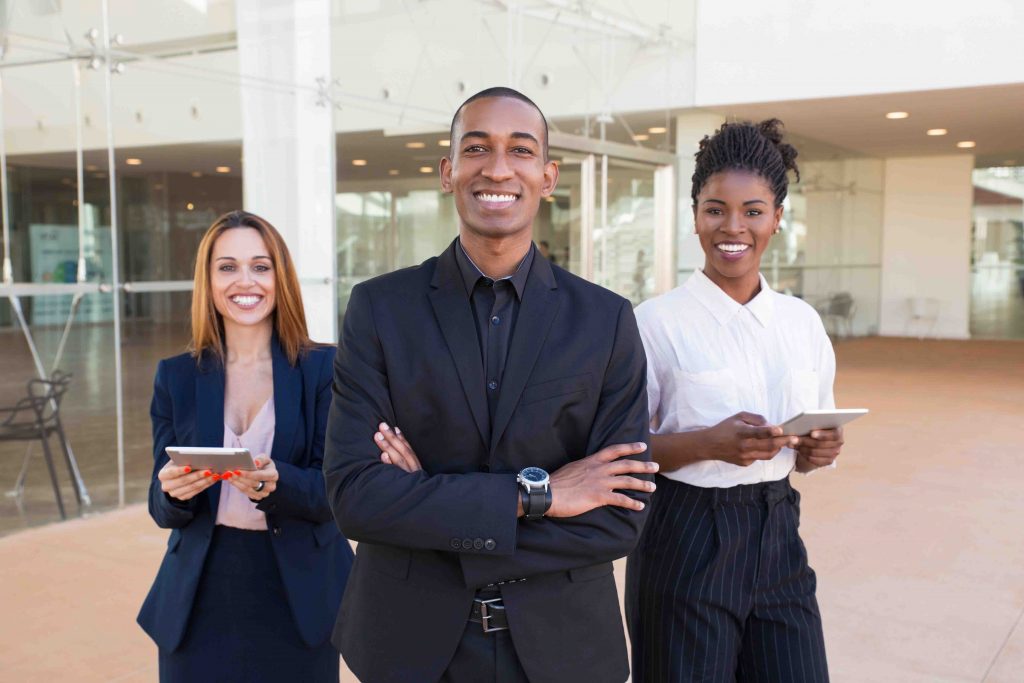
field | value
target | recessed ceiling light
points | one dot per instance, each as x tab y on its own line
965	144
426	169
132	161
196	174
359	162
897	115
444	143
640	137
91	167
223	169
393	171
415	145
937	131
190	206
657	130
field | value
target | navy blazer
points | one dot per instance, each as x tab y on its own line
312	556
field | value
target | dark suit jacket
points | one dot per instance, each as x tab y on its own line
313	558
574	382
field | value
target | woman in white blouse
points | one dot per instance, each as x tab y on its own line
719	588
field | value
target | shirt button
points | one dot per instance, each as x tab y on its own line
492	385
495	320
478	544
489	544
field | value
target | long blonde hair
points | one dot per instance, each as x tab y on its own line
289	314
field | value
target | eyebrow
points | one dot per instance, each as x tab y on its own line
232	258
749	201
518	135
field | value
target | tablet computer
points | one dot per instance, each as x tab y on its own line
208	458
809	420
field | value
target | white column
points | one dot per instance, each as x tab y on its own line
284	47
691	128
926	246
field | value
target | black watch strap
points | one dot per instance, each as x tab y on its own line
536	502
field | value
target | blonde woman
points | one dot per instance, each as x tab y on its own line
255	567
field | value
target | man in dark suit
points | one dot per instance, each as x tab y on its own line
473	563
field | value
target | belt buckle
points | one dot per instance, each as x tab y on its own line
485	614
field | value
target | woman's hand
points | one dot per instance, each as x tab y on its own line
247	481
745	438
395	450
182	482
819	449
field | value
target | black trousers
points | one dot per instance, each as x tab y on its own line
719	590
484	658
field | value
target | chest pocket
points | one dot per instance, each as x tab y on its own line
801	392
705	398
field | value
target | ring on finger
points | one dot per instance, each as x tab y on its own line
259	487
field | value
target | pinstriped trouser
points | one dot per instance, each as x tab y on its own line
719	589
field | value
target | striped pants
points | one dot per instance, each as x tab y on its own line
719	590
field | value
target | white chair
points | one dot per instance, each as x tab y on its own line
923	314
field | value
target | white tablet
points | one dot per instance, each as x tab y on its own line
809	420
216	459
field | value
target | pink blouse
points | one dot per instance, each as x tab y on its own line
235	508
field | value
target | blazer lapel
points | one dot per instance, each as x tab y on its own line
209	401
451	307
537	311
287	402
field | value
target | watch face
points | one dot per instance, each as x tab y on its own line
534	475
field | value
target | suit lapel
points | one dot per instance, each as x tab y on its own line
287	402
209	401
451	307
537	311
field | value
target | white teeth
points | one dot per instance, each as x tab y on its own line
246	300
496	197
732	248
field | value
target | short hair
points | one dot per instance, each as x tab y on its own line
499	91
746	146
289	314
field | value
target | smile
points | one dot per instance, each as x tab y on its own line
493	200
246	300
732	250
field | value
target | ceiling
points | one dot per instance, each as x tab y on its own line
991	116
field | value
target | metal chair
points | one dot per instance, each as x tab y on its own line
37	417
839	307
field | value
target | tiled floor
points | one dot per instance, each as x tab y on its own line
916	537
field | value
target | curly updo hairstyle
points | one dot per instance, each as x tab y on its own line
746	146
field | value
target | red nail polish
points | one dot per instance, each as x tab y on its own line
187	469
238	473
207	473
216	477
226	475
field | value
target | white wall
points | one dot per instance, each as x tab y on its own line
926	245
758	51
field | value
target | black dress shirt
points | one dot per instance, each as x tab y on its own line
495	304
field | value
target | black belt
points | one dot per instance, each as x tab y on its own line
489	612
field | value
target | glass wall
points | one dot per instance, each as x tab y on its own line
997	254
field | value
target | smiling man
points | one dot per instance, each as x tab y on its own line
486	445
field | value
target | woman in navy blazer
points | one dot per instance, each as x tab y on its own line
255	567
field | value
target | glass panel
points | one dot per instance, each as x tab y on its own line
624	247
828	251
997	254
559	223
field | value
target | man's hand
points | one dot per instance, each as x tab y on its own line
593	481
394	449
745	438
820	449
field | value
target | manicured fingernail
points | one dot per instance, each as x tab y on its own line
384	426
642	506
641	447
652	466
238	473
651	486
187	469
207	473
216	477
398	431
386	458
378	436
227	475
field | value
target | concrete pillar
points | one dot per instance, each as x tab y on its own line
284	47
691	128
926	247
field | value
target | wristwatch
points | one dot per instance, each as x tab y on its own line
535	492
